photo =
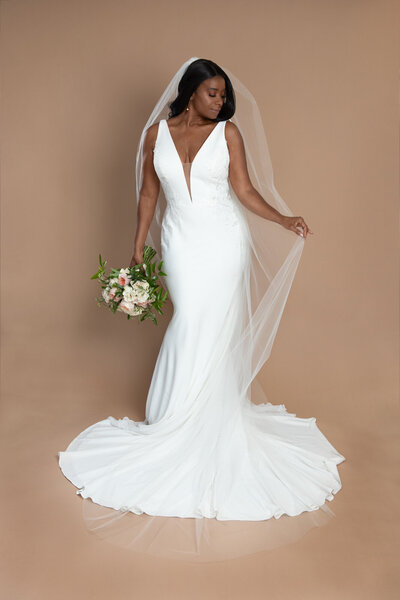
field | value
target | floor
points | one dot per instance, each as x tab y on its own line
45	537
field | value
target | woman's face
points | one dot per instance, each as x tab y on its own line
209	97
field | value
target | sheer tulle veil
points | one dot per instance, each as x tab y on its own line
273	257
274	251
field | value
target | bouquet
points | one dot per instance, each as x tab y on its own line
135	291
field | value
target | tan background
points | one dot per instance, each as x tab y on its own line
79	79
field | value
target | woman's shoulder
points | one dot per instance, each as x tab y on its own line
152	130
232	133
230	128
151	134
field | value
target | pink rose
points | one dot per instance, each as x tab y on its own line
112	293
123	279
127	307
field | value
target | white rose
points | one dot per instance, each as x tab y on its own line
129	294
142	296
140	288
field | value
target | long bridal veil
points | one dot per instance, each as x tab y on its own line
275	251
274	254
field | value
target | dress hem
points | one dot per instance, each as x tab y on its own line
88	495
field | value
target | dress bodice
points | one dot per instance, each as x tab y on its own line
207	174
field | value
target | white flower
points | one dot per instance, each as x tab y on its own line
142	296
105	294
129	294
140	289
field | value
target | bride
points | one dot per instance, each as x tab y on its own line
210	445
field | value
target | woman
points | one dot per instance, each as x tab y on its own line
206	449
211	101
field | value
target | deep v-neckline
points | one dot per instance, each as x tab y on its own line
176	150
188	185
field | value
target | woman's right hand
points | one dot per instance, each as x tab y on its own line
137	258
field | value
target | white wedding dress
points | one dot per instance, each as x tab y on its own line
204	449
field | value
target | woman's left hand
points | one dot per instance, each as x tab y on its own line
296	224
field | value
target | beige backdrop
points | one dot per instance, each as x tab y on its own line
79	79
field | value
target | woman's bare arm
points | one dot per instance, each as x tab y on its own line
147	196
244	189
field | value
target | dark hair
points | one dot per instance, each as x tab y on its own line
198	71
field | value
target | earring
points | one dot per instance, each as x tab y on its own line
187	108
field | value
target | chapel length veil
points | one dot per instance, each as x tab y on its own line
274	257
275	251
